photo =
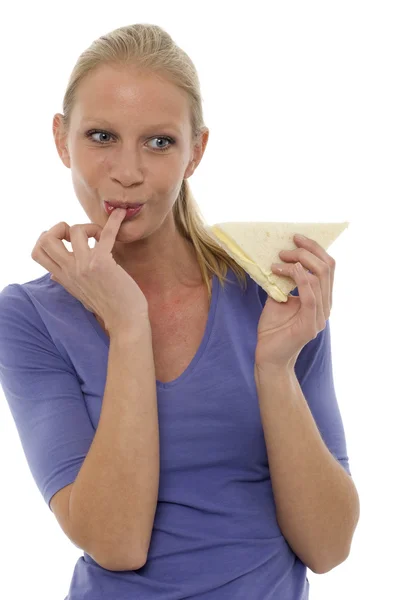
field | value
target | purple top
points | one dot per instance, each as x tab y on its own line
215	533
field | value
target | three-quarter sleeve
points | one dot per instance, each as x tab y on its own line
315	375
43	394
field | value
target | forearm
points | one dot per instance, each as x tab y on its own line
316	501
114	497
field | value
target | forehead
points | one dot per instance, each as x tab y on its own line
118	95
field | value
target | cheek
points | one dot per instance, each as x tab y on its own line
168	179
81	176
86	176
82	161
83	186
91	169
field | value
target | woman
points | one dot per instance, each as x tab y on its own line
148	435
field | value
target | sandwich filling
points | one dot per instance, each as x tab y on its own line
259	275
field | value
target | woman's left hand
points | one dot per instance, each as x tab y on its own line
285	328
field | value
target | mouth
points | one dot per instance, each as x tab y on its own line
131	209
116	204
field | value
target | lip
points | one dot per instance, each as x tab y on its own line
129	212
125	205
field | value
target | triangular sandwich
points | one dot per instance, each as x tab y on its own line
255	246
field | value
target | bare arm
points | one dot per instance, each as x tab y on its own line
114	497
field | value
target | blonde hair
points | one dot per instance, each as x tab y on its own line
152	49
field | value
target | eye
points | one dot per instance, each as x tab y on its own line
96	131
92	132
163	137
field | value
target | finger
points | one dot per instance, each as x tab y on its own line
79	236
49	251
307	297
110	230
326	258
320	287
62	229
320	269
321	317
42	258
315	249
105	237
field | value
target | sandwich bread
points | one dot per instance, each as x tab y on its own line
256	245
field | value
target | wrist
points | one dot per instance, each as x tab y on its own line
271	372
131	329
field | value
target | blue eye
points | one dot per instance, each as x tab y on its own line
163	137
159	137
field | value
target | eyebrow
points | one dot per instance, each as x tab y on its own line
108	124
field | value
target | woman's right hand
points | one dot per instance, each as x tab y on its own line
92	275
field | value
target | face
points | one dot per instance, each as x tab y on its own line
129	140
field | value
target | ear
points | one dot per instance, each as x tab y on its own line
198	151
60	137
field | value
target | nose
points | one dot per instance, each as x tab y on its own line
127	166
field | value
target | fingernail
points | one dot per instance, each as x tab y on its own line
300	237
277	267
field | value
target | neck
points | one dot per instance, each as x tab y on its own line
162	264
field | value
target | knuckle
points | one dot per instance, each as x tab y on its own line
312	299
90	267
326	268
35	251
95	267
82	268
311	335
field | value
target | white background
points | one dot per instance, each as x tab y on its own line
302	101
